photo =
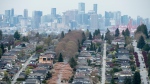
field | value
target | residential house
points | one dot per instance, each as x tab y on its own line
81	80
39	76
32	81
123	50
47	58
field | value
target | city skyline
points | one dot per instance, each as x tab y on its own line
140	8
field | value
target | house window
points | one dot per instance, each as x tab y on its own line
44	59
48	59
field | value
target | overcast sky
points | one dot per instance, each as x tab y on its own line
130	7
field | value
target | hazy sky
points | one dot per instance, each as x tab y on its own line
130	7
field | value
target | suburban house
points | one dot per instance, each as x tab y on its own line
47	58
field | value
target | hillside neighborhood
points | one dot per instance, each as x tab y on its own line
76	57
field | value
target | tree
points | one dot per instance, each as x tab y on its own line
2	47
117	32
102	37
60	58
87	33
149	71
48	40
108	35
69	30
137	35
89	62
127	32
17	35
25	39
1	34
141	42
9	47
136	78
112	81
148	60
117	47
90	36
39	49
83	36
142	28
27	71
1	53
72	62
6	77
49	75
62	34
99	49
127	80
123	33
146	47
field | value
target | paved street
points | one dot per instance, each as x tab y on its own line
23	67
143	71
104	64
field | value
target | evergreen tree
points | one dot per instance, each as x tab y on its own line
37	34
9	47
123	33
149	71
142	28
99	49
1	34
102	37
117	32
136	78
88	48
90	36
146	47
72	62
0	53
127	80
62	34
112	81
60	58
49	75
83	36
89	62
25	39
69	30
148	60
117	47
108	35
141	42
2	47
91	46
17	35
127	32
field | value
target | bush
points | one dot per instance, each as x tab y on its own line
21	79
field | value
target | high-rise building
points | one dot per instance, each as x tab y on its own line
36	19
25	13
124	20
81	8
12	12
7	13
95	8
65	20
94	21
139	20
53	12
